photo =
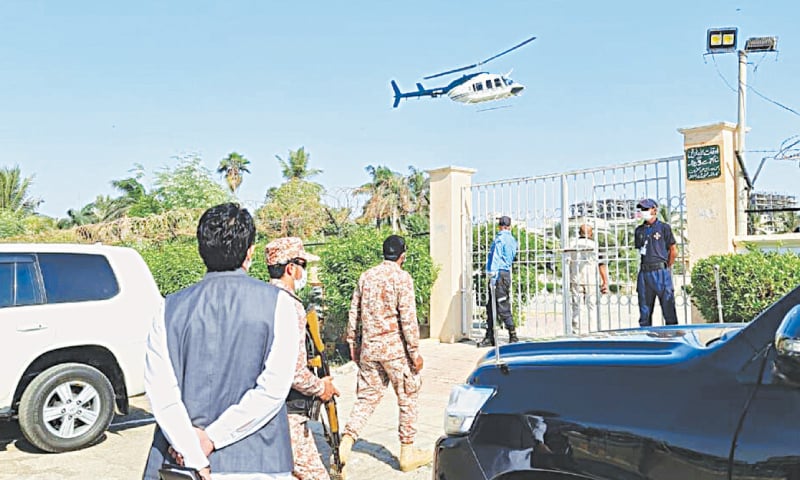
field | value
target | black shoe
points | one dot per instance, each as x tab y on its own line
512	335
486	342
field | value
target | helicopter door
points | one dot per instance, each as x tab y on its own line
489	84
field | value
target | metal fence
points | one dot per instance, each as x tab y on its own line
547	212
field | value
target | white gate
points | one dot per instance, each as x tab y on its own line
540	208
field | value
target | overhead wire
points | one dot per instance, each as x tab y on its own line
750	87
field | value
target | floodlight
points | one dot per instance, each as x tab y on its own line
721	40
761	44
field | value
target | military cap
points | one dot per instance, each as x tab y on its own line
284	249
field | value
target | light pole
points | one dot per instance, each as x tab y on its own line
723	40
741	188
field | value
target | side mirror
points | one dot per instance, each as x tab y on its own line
787	346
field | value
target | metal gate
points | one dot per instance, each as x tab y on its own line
547	213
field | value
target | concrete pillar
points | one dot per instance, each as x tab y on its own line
450	307
710	202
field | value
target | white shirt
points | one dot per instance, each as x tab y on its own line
256	407
584	259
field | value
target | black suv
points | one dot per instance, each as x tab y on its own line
716	401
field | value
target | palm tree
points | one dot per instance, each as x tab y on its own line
233	166
14	192
390	196
419	185
84	216
296	167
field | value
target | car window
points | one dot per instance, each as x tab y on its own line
28	290
6	284
77	277
19	283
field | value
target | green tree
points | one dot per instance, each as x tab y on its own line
233	166
419	185
296	166
188	185
135	200
15	192
293	209
389	197
84	216
11	224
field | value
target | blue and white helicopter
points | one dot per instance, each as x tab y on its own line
470	88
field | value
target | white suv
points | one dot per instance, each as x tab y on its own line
73	326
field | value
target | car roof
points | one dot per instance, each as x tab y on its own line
96	248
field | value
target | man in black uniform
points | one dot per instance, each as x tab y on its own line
657	249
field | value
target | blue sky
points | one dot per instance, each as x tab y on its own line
89	88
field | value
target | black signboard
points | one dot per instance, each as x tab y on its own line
703	163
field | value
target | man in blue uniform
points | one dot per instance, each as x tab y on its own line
498	268
657	249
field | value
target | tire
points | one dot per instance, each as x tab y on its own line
66	407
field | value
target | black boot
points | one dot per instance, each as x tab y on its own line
512	334
488	340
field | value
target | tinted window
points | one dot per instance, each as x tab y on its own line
28	292
19	283
488	84
497	83
6	284
77	277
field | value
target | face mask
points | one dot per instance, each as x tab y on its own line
647	215
301	282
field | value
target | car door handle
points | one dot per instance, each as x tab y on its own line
32	327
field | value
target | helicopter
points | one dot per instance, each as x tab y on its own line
469	88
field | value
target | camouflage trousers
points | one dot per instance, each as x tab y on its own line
307	462
373	378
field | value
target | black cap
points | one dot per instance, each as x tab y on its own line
393	247
504	221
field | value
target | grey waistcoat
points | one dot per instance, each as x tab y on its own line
219	331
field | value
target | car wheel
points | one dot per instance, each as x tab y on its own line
66	407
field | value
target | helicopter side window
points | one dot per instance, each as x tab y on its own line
478	87
497	83
488	84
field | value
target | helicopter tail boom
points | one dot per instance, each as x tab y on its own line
421	92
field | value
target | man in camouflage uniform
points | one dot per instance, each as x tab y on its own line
286	260
384	341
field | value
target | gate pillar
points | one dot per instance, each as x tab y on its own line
450	309
710	167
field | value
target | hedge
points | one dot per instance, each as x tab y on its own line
175	264
749	283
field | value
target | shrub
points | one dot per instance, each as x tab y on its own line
175	264
749	283
345	258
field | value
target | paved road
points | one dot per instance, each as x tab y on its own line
121	454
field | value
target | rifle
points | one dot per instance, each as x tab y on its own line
318	361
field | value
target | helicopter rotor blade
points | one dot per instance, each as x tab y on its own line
508	51
469	67
452	71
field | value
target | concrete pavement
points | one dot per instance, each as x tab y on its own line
375	454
